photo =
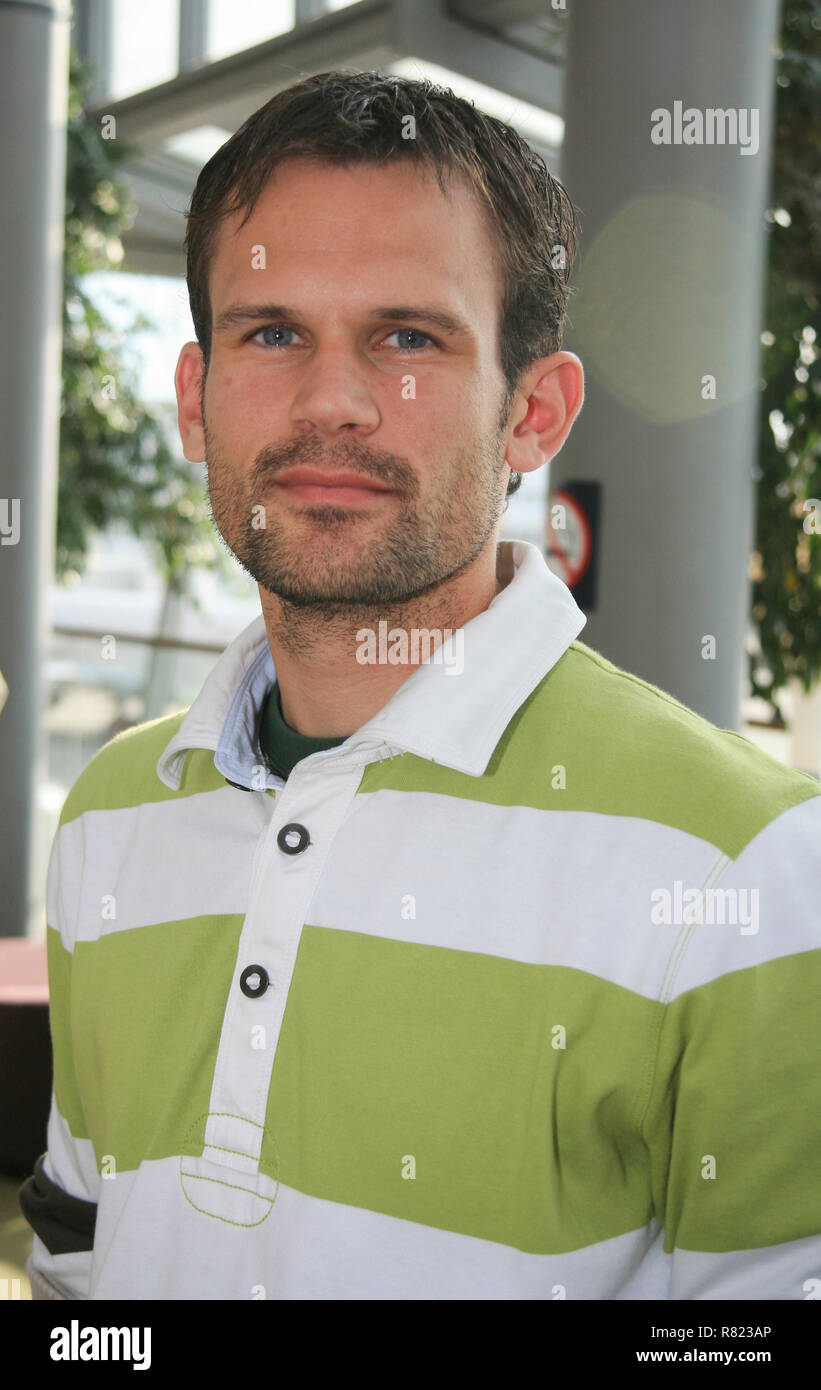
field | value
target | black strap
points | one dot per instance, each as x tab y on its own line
64	1223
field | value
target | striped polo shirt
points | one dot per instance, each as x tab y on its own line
511	994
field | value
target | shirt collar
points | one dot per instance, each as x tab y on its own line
455	717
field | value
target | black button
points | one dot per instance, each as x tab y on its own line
293	829
253	991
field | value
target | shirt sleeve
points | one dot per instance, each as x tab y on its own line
59	1200
733	1114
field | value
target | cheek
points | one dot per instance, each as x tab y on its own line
424	412
242	407
224	391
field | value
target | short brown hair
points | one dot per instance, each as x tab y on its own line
358	118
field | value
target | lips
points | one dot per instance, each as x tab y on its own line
311	477
340	489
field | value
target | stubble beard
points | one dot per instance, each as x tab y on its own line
310	557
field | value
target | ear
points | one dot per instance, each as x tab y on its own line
547	401
188	385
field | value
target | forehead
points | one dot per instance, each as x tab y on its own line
361	232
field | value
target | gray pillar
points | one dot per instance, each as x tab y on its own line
33	95
670	286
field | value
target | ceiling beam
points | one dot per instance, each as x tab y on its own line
225	92
426	30
369	34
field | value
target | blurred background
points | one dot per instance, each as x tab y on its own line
684	511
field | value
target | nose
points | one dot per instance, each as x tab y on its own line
333	395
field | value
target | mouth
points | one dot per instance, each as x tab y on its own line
338	491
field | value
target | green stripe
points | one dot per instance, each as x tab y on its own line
147	1011
748	1096
66	1089
627	749
390	1050
386	1049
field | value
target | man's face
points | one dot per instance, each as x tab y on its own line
334	379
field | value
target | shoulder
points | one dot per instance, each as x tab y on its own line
635	750
124	771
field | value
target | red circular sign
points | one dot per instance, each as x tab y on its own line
569	548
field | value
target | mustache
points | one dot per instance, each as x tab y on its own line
387	469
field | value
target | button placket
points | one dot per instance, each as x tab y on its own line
287	869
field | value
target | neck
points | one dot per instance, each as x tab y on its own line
325	691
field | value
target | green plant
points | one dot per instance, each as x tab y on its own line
115	463
786	574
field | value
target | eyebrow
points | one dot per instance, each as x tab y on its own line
438	318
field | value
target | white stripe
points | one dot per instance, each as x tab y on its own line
788	1271
783	863
515	882
162	861
309	1248
70	1162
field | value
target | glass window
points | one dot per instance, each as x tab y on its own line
234	26
144	45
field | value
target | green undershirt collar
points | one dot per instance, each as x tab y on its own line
282	746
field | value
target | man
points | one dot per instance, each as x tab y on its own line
428	955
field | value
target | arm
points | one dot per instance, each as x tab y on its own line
733	1116
59	1199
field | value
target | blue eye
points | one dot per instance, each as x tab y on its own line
412	333
272	328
